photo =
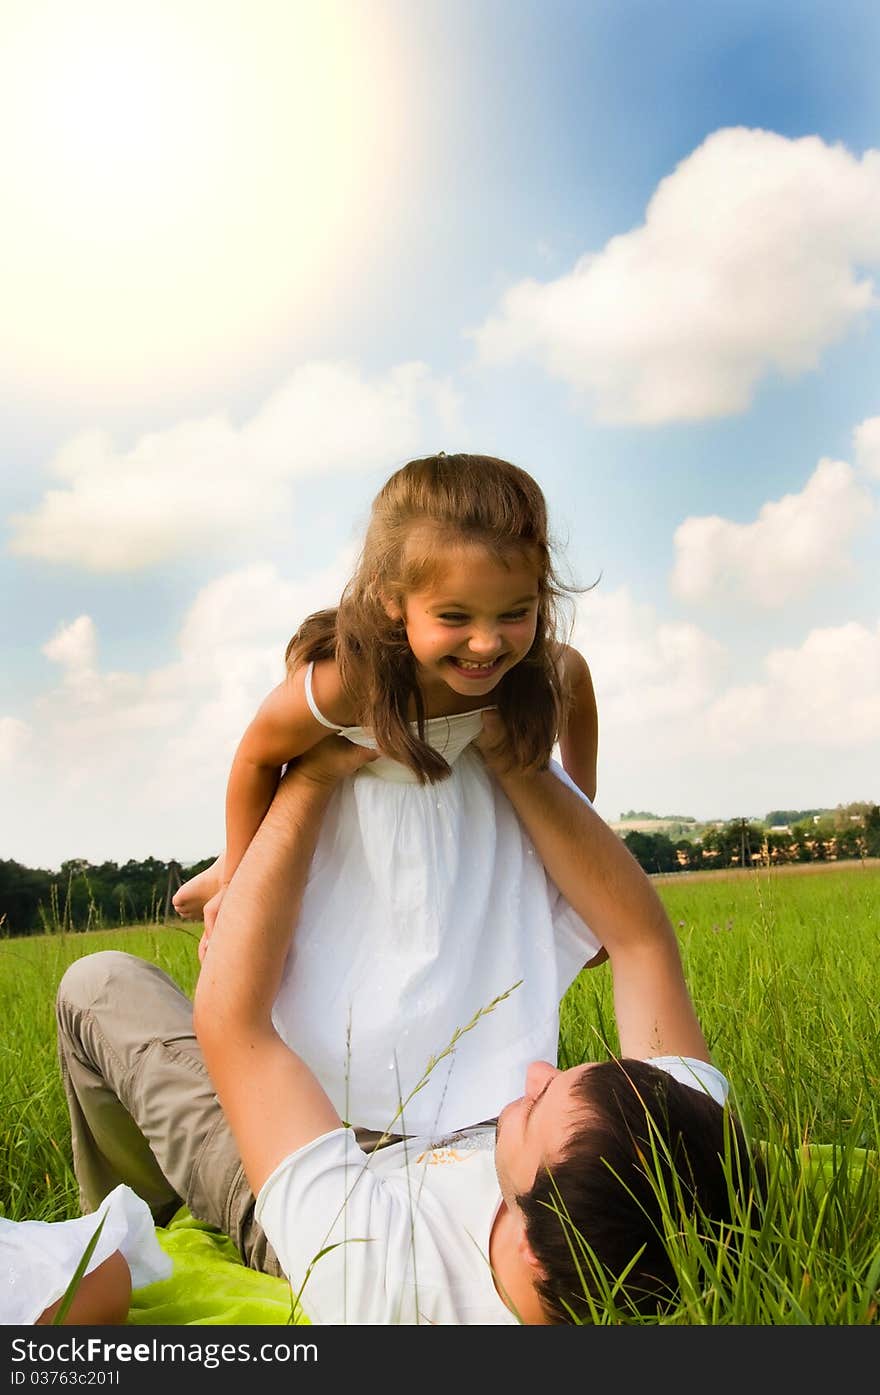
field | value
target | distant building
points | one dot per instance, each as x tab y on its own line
674	827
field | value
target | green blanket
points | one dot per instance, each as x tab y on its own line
211	1286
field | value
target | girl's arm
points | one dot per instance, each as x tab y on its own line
102	1297
579	735
283	728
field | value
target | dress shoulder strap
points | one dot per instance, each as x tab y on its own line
313	706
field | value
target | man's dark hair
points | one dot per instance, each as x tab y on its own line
644	1145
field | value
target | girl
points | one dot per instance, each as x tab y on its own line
425	902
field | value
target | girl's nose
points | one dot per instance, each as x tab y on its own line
484	642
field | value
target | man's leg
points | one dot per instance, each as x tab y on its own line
142	1108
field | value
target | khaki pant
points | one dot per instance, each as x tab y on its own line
142	1108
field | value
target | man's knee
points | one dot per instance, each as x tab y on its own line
111	1009
89	978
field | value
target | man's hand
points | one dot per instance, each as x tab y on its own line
209	914
331	760
494	746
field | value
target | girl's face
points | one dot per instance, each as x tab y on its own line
474	621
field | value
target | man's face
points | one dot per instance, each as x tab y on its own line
532	1130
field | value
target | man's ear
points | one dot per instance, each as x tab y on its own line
527	1255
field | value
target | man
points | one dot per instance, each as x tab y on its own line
430	1231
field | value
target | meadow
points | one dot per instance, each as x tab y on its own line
785	972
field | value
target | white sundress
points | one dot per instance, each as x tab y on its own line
424	904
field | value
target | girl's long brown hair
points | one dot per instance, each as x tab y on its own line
438	502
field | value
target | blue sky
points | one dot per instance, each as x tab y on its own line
259	256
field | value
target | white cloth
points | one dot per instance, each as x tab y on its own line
38	1259
448	735
424	904
409	1224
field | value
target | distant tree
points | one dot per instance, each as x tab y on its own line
780	847
21	891
848	842
802	840
655	852
641	845
792	816
712	848
81	896
665	855
688	854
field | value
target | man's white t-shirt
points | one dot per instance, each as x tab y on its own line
401	1235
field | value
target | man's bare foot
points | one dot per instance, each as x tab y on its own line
189	899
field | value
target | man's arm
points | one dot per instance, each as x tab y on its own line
602	881
272	1100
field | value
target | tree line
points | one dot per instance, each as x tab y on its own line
852	831
85	896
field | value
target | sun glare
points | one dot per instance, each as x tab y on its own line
178	177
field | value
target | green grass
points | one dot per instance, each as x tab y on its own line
36	1174
785	972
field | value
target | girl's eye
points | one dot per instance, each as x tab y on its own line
516	615
454	619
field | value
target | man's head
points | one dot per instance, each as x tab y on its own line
593	1158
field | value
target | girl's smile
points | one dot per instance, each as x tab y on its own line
470	668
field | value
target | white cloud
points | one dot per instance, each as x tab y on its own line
866	438
654	683
750	261
796	544
207	482
677	737
14	737
129	764
254	606
644	670
74	646
826	693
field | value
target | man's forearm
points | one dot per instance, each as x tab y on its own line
593	869
245	958
272	1100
